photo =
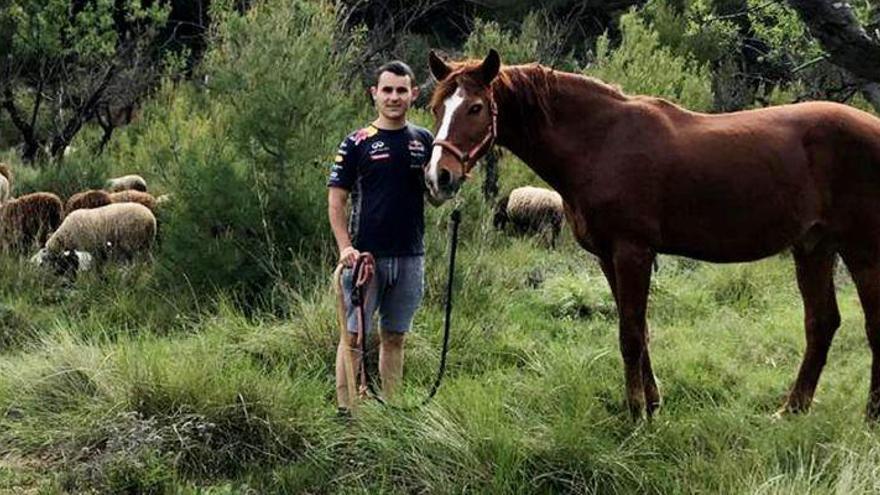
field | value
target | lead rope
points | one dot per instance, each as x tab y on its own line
363	271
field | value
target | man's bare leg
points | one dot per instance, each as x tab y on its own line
391	361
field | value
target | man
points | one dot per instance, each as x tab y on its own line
379	168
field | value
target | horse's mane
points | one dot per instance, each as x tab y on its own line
527	86
525	89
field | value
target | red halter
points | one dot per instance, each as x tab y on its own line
468	160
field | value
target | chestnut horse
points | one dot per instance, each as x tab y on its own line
640	176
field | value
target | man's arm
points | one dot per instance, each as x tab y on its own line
337	199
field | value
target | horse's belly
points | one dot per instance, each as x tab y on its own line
737	234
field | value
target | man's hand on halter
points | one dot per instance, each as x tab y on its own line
348	256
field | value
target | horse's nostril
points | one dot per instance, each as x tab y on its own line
444	178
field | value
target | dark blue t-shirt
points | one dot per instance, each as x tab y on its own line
383	170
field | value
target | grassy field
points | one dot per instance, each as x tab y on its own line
111	385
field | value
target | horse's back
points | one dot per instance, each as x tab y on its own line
745	185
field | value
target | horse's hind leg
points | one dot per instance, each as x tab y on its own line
815	276
864	266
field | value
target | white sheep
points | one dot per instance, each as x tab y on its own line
4	189
5	183
531	210
119	230
126	182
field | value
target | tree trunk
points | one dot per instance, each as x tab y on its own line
833	23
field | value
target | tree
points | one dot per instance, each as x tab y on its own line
66	62
849	46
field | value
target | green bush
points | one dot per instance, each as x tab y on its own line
251	194
641	65
535	41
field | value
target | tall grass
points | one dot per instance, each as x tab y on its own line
97	396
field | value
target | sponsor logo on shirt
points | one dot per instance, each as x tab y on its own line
379	151
416	145
365	133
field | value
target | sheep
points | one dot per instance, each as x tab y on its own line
118	230
5	183
134	196
93	198
125	182
28	220
531	210
66	263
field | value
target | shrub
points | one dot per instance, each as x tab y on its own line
641	65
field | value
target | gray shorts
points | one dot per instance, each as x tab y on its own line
396	290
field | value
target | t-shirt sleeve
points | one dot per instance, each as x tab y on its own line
428	140
344	169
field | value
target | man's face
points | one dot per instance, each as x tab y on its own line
393	95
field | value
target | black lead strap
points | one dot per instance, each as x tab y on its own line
455	220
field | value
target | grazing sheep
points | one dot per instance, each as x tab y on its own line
66	263
125	182
29	220
118	230
5	183
531	210
133	196
93	198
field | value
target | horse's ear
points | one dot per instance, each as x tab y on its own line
439	68
490	66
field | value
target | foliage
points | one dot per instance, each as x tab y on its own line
65	63
536	41
249	167
641	65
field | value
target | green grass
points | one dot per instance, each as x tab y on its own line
111	385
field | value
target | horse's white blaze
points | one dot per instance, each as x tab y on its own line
450	105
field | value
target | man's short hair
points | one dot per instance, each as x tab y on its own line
397	68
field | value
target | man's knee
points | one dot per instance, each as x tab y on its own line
392	339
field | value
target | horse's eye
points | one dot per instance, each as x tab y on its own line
475	109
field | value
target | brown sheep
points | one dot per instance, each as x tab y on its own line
29	220
93	198
133	196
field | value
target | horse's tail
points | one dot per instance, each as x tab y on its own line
499	220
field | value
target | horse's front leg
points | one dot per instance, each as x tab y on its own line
629	275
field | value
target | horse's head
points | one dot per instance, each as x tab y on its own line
464	121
